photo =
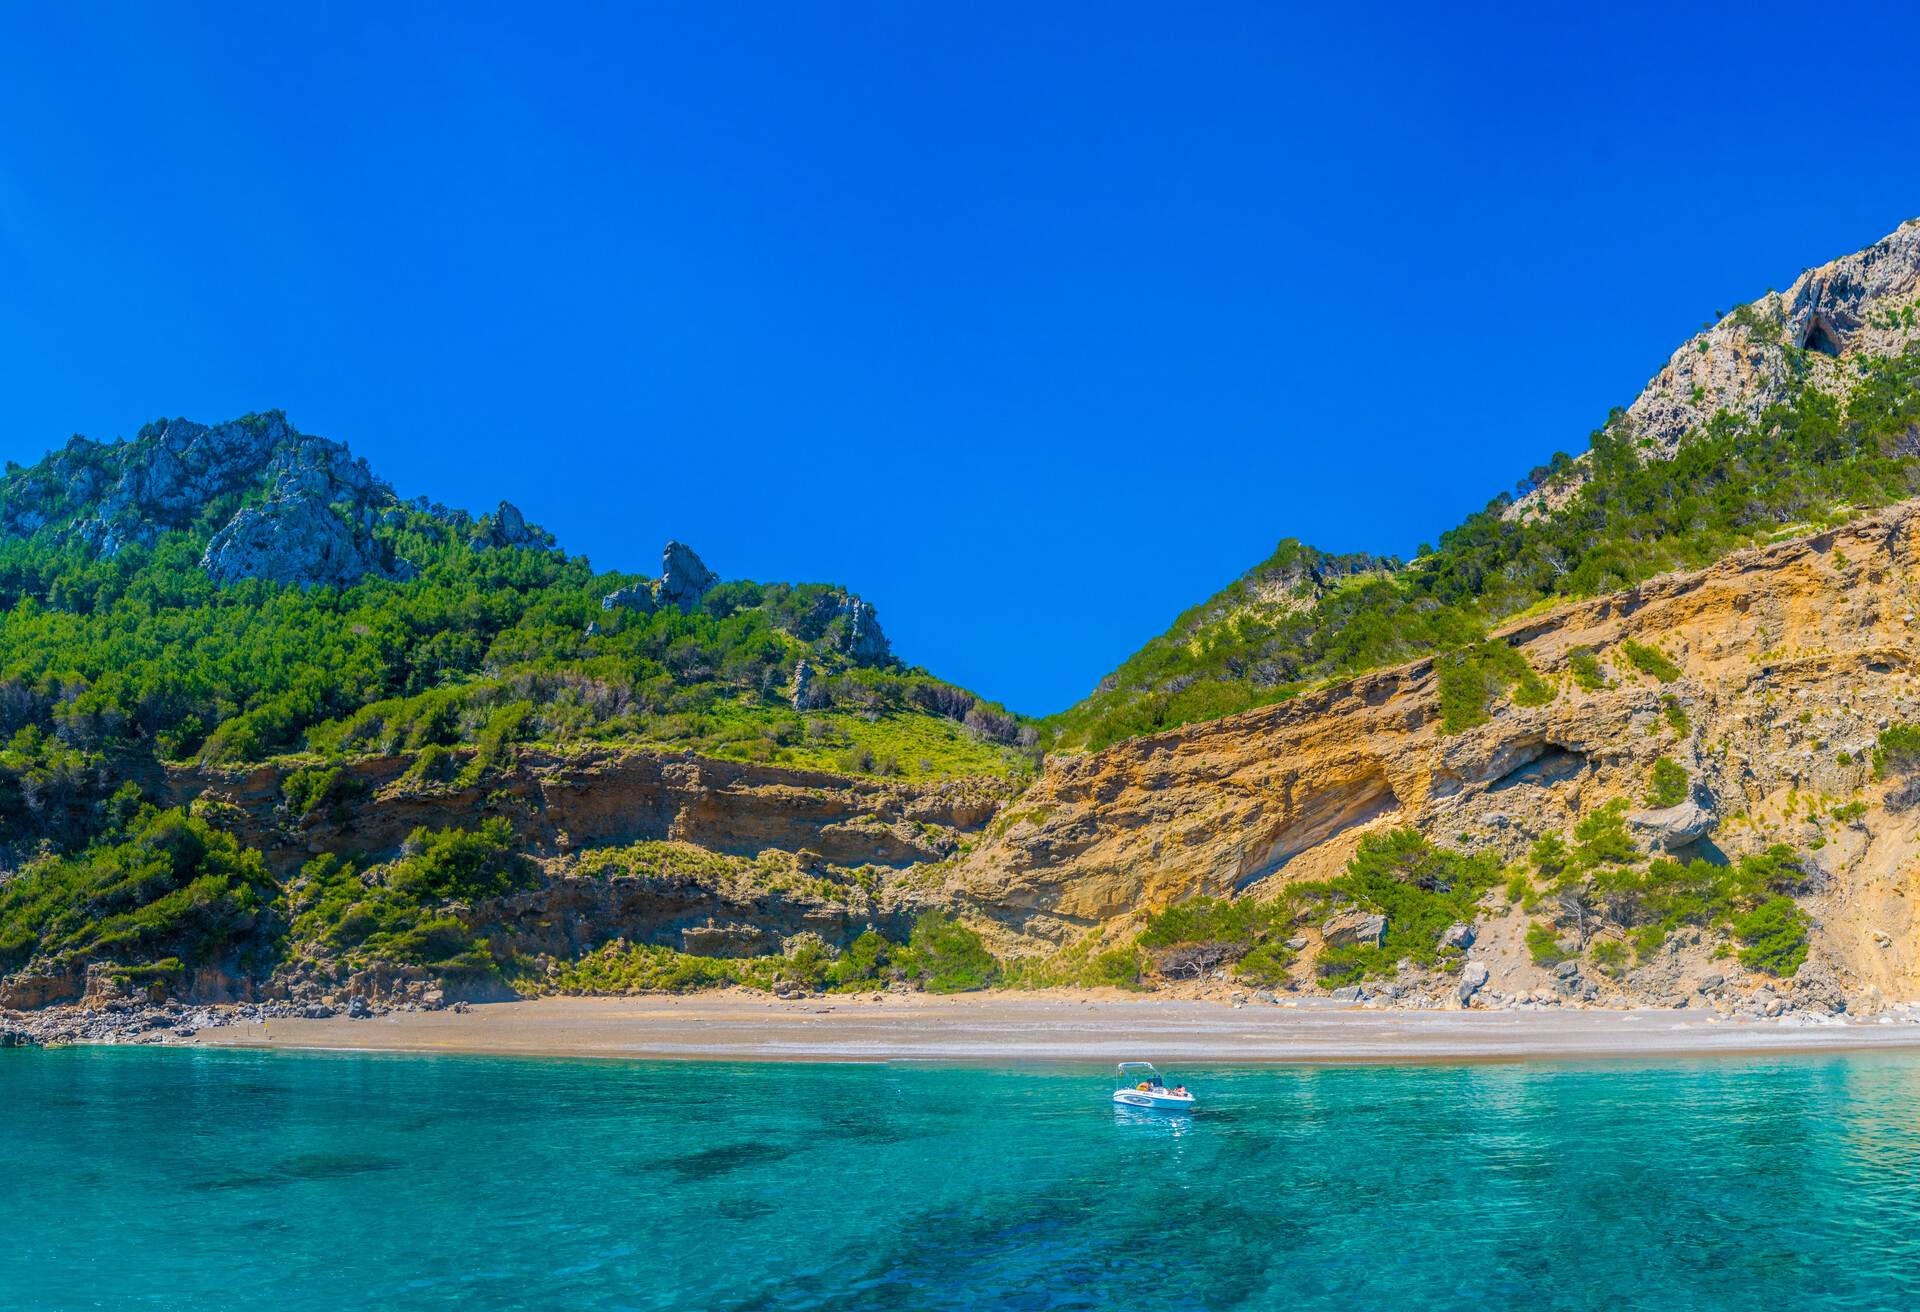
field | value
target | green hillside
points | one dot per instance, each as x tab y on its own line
120	642
1814	458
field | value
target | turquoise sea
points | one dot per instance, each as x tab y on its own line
135	1178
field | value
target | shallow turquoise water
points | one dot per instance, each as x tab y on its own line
142	1179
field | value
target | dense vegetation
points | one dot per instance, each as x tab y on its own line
164	889
1420	888
1597	895
1600	891
399	913
1812	460
941	956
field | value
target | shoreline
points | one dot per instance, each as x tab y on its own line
1055	1028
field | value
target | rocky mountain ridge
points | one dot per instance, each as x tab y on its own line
290	508
1860	306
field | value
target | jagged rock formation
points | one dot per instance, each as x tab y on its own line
684	580
636	596
1793	658
315	521
1297	575
852	624
684	577
808	694
861	639
298	540
505	528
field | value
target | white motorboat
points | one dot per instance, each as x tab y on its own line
1138	1084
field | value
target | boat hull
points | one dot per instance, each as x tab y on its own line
1156	1102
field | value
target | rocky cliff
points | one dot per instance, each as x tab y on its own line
1791	659
561	802
282	505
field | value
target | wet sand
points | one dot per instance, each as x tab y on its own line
1053	1027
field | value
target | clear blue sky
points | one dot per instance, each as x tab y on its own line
1034	324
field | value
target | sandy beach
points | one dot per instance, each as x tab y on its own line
1048	1028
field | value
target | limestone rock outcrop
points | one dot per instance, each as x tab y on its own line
1860	305
684	577
1672	828
317	514
808	692
635	596
298	540
506	527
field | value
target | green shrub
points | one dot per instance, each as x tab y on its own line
1650	660
174	887
406	912
1586	669
1775	935
1473	677
1236	922
1668	783
461	863
505	725
1078	966
1268	965
1610	956
620	968
865	966
1676	715
1602	838
1898	751
1543	945
1649	939
303	790
947	957
307	790
433	764
1419	887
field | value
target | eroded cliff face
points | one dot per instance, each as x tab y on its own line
1792	659
561	802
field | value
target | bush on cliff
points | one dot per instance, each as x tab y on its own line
1473	678
1603	882
1191	939
1667	783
